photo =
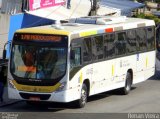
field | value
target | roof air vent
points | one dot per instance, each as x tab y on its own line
100	20
57	25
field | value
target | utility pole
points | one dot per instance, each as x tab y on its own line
94	7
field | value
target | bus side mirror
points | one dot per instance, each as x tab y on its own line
4	54
4	50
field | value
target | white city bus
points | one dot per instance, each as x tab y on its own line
86	56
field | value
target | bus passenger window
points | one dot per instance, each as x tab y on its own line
120	43
141	39
109	46
97	47
150	38
87	50
75	57
131	41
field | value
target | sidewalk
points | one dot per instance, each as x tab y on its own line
7	101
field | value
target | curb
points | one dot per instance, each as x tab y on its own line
7	101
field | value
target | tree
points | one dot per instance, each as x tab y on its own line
149	16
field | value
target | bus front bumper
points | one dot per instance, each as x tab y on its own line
57	96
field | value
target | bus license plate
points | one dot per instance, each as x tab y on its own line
34	98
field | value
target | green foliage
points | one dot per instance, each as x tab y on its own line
142	1
157	1
150	16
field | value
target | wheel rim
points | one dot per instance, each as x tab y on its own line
128	83
128	86
83	96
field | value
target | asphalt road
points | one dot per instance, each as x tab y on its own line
144	98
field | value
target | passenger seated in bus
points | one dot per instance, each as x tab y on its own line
49	64
28	58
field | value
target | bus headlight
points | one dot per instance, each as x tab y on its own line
11	85
61	87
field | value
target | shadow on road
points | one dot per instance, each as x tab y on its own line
156	76
116	92
55	107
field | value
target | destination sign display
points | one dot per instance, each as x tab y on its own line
37	37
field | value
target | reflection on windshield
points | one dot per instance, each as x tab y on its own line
52	63
38	63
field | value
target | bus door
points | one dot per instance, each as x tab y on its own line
99	67
141	53
76	66
87	68
109	60
122	61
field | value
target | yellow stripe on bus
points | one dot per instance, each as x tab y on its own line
146	61
112	70
40	89
81	78
88	33
43	31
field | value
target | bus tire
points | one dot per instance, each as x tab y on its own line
127	88
83	98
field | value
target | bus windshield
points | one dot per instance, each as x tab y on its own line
38	61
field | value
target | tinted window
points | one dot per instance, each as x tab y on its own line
141	39
120	43
109	46
75	57
87	50
150	38
97	47
131	41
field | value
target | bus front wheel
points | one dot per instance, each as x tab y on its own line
83	98
126	89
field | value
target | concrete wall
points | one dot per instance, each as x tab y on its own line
11	6
4	29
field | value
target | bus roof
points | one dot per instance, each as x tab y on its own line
76	30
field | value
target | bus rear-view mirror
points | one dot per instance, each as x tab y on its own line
4	54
